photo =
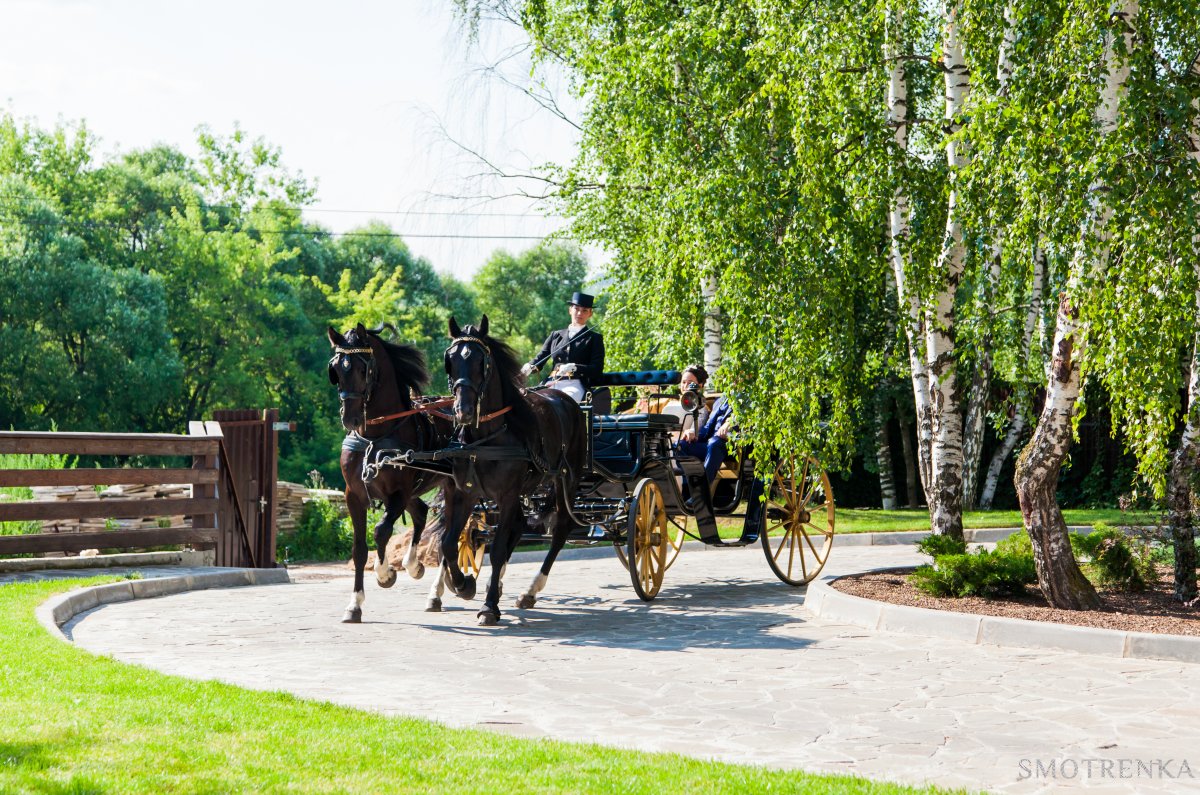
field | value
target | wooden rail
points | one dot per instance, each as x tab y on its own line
202	508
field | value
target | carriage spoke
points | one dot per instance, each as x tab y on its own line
817	553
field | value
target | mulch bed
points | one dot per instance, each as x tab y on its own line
1153	610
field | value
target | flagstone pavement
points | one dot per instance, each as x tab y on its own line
725	664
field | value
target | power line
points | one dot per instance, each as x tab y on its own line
26	200
304	232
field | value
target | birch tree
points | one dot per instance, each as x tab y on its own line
1059	577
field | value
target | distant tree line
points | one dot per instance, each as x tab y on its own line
142	291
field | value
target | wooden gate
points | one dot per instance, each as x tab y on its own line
249	457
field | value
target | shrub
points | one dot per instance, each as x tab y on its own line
937	545
1016	544
1112	560
984	573
321	534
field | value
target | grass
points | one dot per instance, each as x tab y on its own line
867	520
77	723
874	520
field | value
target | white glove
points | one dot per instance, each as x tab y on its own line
567	368
527	369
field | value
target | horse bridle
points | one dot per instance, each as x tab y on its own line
461	382
368	356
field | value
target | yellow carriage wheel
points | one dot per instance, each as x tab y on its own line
471	546
647	542
798	531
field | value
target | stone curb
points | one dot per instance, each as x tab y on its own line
124	559
58	610
825	601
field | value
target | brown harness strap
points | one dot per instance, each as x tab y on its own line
427	408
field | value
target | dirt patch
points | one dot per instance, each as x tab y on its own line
1153	610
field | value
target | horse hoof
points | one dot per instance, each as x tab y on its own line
417	572
526	601
488	619
467	591
433	606
389	580
353	616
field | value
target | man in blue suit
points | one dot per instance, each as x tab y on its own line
711	440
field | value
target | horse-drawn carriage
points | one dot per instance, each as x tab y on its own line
516	462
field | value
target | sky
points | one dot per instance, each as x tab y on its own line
379	101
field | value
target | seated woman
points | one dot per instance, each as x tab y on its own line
710	440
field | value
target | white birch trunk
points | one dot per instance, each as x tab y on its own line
898	232
911	472
978	400
1059	576
883	458
1017	426
712	323
980	392
1180	499
945	507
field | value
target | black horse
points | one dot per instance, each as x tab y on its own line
511	443
376	383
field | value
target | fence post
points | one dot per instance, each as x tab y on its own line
207	490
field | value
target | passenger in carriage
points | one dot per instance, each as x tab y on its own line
576	352
695	377
709	440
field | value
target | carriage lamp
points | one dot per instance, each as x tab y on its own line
691	398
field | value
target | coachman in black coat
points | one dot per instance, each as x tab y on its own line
585	350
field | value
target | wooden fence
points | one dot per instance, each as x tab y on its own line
229	511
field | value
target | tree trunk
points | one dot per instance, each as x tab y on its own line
979	396
1011	437
945	508
1059	576
911	472
975	425
1015	428
712	323
898	237
1180	499
883	449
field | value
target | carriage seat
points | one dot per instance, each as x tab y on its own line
617	443
665	423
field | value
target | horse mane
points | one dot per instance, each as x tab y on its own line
408	363
508	371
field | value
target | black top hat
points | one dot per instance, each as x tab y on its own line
581	299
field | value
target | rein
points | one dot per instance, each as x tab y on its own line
427	408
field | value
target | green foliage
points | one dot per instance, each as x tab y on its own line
27	461
525	296
1112	559
935	545
323	533
1018	544
982	573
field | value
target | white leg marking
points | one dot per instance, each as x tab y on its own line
411	564
357	601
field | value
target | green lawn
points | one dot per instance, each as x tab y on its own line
874	520
73	722
870	520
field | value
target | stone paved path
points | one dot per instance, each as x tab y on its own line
725	664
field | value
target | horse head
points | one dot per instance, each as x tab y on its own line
354	370
373	377
470	369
